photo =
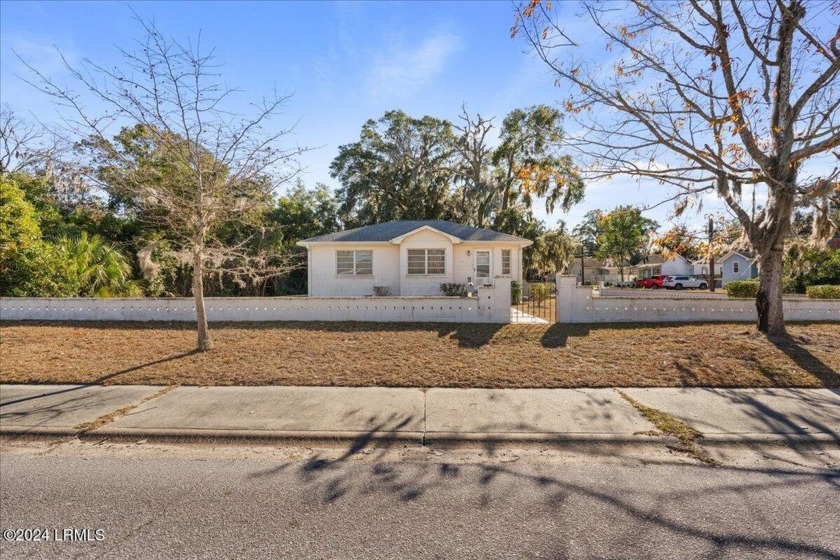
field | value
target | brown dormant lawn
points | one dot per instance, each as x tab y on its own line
421	355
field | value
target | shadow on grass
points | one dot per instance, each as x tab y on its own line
806	360
100	380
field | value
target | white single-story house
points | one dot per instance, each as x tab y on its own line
658	265
410	258
738	266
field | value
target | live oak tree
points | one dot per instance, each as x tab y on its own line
401	168
719	97
196	166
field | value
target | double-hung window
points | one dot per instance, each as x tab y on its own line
736	267
427	261
505	262
348	263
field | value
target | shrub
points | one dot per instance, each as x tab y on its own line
823	292
742	288
382	291
516	292
541	291
453	289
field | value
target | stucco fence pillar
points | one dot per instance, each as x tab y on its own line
494	301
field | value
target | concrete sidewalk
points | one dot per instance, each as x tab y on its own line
724	416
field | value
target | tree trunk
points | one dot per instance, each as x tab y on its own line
204	341
768	302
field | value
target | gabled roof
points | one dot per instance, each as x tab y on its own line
658	259
745	255
394	232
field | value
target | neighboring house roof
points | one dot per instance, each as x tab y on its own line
748	256
394	232
659	259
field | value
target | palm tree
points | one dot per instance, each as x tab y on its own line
102	270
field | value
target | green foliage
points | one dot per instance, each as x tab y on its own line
38	270
808	266
528	163
516	292
623	233
554	250
401	168
823	292
453	289
742	289
101	270
303	213
18	225
588	231
541	291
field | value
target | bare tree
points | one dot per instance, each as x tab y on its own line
21	143
709	97
476	155
221	165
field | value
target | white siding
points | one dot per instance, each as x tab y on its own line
676	266
323	280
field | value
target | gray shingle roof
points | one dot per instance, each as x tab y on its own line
389	230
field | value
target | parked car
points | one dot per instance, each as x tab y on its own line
653	282
682	282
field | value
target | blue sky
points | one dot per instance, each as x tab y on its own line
344	63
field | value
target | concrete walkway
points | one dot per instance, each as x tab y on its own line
725	416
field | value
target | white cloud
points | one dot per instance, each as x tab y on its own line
401	71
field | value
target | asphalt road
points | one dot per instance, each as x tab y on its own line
168	501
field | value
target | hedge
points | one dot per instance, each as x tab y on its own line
823	292
742	288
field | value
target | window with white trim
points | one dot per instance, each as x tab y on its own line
736	268
353	263
482	264
427	261
506	262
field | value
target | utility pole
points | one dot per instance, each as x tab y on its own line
711	255
582	270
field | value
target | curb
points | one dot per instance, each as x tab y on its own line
571	440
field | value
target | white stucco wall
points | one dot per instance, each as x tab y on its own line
421	284
464	268
584	305
324	281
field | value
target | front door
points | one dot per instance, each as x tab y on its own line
482	266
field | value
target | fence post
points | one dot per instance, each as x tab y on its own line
566	287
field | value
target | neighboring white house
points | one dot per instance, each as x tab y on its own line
701	268
738	266
597	271
658	265
410	258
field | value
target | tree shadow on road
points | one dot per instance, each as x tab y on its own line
365	468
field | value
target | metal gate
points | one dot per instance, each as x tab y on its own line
536	303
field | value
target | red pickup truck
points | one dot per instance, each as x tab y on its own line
654	282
